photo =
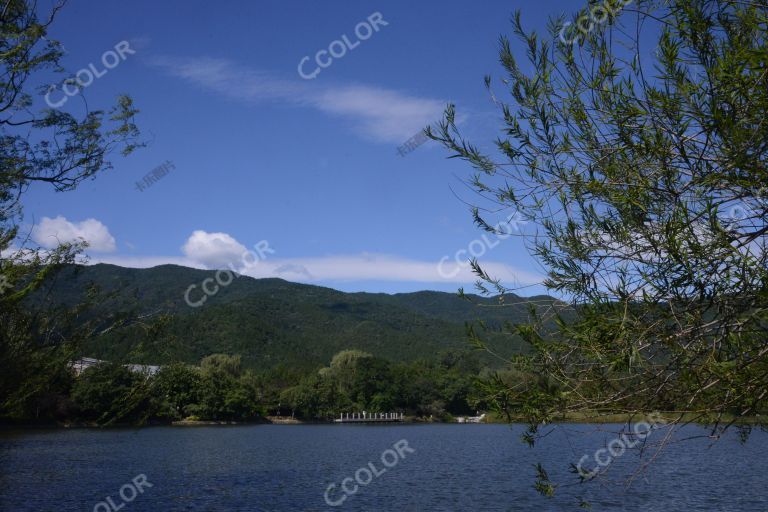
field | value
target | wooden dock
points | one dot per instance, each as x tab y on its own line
369	417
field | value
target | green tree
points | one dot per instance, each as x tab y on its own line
110	393
344	369
302	399
643	175
416	389
226	392
42	394
231	365
40	145
219	382
244	401
177	386
372	377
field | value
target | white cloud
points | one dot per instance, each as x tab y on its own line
293	271
384	115
382	267
329	269
221	251
214	250
52	232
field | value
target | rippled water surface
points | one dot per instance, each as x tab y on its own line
289	468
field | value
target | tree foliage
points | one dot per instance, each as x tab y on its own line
218	389
638	154
40	145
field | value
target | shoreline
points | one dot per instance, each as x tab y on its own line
606	419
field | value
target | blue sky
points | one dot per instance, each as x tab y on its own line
310	166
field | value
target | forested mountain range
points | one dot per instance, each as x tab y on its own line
141	315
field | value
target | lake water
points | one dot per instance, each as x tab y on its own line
440	467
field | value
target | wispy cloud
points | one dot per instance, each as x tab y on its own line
219	250
382	267
348	268
381	114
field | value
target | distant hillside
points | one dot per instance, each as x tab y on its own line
272	321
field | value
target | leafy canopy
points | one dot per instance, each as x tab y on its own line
57	148
638	155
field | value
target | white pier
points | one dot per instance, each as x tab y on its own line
369	417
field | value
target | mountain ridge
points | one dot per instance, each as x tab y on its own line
272	321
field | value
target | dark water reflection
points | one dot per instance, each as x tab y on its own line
288	468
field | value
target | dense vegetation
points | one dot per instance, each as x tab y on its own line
638	151
411	352
266	321
52	148
290	344
220	389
